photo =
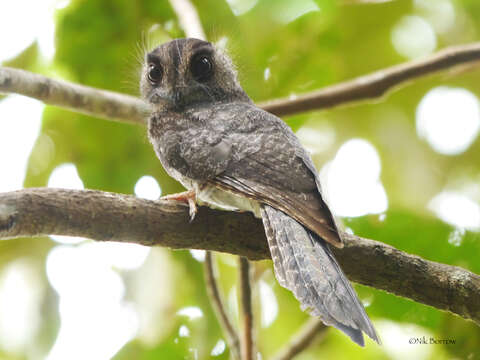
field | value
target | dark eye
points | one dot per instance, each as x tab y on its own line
155	74
201	68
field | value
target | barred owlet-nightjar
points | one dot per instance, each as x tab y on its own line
228	153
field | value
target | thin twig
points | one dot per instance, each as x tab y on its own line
105	216
188	17
114	106
246	307
310	331
219	307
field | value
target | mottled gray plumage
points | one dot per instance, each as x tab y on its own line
209	136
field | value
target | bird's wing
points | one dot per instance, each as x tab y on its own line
280	173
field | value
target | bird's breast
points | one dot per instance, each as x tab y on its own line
214	197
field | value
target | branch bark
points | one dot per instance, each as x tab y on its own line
114	106
114	217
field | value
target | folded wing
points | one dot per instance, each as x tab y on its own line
279	173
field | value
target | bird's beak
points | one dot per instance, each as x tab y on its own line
160	97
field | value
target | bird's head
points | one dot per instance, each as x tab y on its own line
185	72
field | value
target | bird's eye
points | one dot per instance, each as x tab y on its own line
201	68
155	74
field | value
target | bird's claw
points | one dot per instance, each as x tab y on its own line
192	208
189	197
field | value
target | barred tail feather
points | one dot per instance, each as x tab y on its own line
305	265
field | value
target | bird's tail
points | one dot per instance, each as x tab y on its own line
305	265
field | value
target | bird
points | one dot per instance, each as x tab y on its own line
228	153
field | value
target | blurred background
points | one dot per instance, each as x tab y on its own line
404	170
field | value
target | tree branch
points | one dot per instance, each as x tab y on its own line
115	217
302	339
219	307
114	106
83	99
376	84
246	307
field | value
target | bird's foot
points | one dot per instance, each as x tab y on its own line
189	197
